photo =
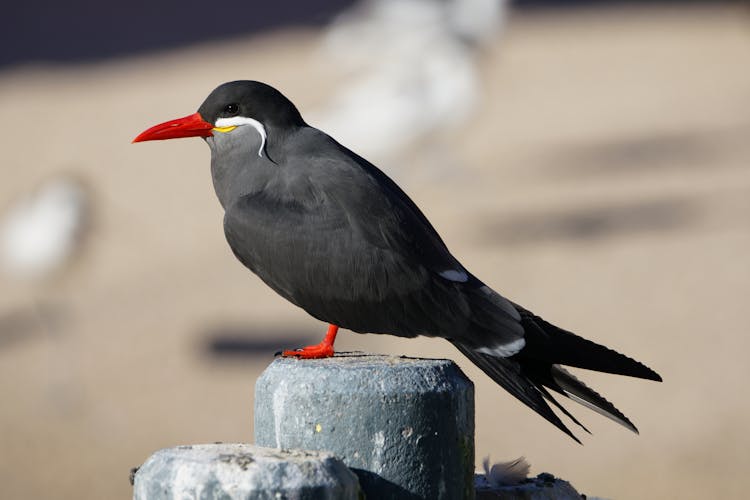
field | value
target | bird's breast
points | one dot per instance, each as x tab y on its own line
316	260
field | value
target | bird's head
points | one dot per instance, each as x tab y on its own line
232	106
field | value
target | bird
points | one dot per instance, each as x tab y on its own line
332	234
410	71
44	229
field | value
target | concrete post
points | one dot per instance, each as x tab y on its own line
405	426
243	472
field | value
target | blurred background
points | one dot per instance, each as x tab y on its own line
589	160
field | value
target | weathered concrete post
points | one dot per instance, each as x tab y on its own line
243	472
405	426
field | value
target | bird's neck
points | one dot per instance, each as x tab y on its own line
235	177
242	163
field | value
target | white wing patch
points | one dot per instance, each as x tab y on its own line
236	121
454	275
503	350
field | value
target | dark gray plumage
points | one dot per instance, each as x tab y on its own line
332	234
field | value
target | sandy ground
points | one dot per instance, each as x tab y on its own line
604	184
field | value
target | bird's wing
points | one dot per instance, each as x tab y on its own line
342	269
380	213
385	222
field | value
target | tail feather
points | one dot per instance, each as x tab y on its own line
560	407
569	386
506	373
536	368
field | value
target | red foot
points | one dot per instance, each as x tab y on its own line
322	350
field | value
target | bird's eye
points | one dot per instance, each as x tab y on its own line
231	109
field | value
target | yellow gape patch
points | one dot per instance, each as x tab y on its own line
225	129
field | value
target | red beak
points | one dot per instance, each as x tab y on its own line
189	126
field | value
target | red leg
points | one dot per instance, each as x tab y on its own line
322	350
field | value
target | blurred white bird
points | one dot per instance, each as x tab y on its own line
411	70
41	231
505	473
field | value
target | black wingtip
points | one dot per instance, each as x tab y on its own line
574	437
558	346
644	371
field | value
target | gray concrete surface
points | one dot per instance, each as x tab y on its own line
243	472
545	486
405	426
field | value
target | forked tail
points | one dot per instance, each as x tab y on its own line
531	373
